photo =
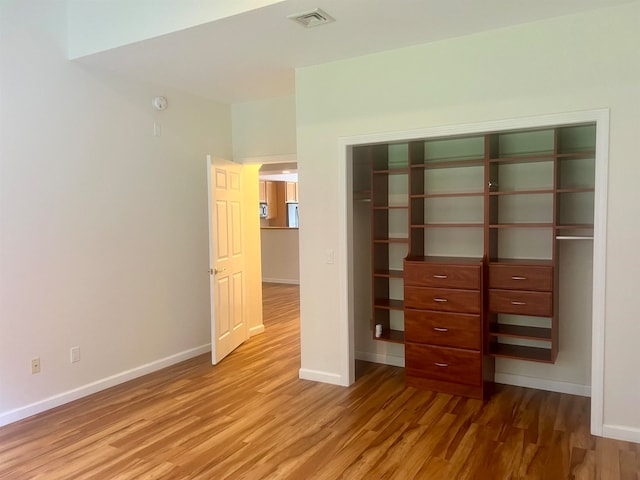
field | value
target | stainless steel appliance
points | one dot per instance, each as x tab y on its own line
292	215
264	210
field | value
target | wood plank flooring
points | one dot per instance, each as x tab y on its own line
252	418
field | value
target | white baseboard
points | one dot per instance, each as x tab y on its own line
620	432
543	384
102	384
288	281
256	330
394	360
322	377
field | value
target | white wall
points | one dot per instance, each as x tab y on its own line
280	262
252	252
103	227
572	63
95	26
264	131
264	128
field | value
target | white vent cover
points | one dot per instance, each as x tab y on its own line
312	18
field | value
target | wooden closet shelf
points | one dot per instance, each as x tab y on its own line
388	304
475	162
533	158
519	331
451	194
518	352
390	207
388	273
521	225
444	260
448	225
524	192
392	171
576	190
534	262
575	226
577	155
390	240
394	336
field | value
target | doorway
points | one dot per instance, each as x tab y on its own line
279	244
279	221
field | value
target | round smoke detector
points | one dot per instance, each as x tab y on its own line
159	103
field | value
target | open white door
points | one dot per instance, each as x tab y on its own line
226	254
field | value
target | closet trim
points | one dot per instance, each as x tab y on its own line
600	117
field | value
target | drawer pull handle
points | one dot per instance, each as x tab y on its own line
440	300
441	364
518	303
515	277
440	276
440	329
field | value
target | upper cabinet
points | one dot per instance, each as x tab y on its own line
268	195
292	192
262	191
277	195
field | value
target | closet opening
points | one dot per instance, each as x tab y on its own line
480	242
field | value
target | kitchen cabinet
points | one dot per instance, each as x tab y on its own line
262	189
292	192
267	194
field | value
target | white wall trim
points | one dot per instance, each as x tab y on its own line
599	272
323	377
393	360
600	116
620	432
257	330
99	385
288	281
543	384
344	254
284	158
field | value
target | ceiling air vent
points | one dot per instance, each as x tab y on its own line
312	18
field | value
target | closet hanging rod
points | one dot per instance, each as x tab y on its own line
573	237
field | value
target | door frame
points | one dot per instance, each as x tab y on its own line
256	269
345	225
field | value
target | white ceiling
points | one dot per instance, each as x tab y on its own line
253	55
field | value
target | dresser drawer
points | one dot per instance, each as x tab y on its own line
521	277
422	274
442	299
537	304
442	363
444	329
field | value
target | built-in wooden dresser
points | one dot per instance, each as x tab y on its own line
444	328
526	289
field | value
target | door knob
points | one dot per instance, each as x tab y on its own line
214	271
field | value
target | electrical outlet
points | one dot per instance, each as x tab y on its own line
35	365
75	354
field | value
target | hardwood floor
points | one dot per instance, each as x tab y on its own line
252	418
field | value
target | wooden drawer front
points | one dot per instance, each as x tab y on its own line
537	304
421	274
442	363
521	277
444	329
442	299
